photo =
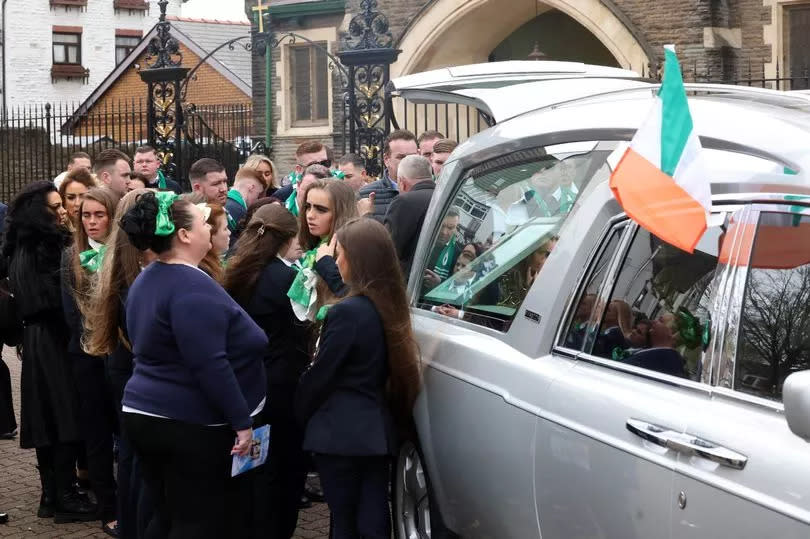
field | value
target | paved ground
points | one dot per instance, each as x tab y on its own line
19	491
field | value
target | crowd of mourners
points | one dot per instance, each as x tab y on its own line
157	329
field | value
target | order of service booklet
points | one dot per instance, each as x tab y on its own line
259	449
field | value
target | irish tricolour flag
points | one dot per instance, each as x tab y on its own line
659	181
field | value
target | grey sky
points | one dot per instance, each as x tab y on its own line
224	10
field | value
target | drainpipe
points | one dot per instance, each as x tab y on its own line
3	45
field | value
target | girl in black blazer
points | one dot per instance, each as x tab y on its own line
258	277
80	266
356	398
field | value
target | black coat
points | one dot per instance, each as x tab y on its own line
404	220
341	398
287	355
50	404
384	194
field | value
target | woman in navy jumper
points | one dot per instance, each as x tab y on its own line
356	399
80	263
258	277
198	373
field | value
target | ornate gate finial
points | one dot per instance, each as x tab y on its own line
369	29
163	48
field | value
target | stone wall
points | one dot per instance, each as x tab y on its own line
29	56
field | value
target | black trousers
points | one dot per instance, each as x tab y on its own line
286	470
55	463
187	467
356	490
8	423
98	423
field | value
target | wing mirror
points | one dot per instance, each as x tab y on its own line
796	398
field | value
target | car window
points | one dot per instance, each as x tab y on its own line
581	316
658	315
493	240
774	337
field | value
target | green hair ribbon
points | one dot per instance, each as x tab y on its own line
163	224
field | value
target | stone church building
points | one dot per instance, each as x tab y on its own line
742	41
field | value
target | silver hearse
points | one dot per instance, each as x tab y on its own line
583	378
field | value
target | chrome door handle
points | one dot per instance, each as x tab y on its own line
650	432
687	444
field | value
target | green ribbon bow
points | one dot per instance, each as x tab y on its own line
92	259
302	290
163	224
338	174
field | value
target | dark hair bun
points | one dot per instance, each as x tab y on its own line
140	221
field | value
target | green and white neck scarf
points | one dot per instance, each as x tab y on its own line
292	201
236	196
161	180
92	258
303	294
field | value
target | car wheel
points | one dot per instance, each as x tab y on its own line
415	513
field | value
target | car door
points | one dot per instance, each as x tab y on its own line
482	393
742	472
603	467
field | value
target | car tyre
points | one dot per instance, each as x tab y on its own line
416	515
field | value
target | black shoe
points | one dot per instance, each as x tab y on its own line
8	436
304	502
3	518
74	507
45	506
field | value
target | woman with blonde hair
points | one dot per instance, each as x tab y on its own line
267	168
80	264
356	399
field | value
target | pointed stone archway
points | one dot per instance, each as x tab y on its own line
458	32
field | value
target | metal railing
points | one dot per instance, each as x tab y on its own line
36	141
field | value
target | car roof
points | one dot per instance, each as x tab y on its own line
774	126
502	90
499	74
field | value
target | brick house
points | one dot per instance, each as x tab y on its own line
59	50
223	79
725	40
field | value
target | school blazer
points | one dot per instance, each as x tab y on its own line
341	397
287	355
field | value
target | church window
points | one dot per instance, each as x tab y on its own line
308	79
797	44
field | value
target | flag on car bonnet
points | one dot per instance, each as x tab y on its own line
659	180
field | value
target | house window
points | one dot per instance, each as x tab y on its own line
309	92
797	45
67	48
124	45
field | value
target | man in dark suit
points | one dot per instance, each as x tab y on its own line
406	213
